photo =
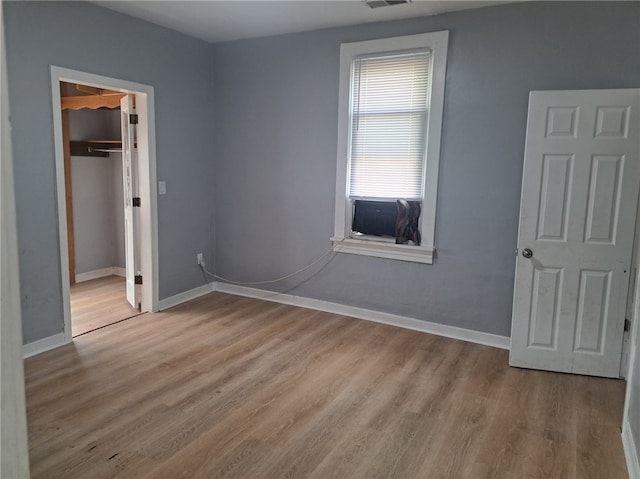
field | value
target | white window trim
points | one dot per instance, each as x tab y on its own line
437	42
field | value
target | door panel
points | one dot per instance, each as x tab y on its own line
577	215
593	298
547	284
552	221
130	179
604	198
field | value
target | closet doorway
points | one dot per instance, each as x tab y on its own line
106	182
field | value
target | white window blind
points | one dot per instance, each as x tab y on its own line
389	104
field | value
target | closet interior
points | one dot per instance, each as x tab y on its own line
91	125
93	177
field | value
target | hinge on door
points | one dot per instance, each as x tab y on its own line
516	251
133	118
135	201
627	325
138	279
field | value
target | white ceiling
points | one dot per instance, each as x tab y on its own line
216	21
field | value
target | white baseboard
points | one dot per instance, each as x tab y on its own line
630	452
45	344
494	340
100	273
478	337
180	298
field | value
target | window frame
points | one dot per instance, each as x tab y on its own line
437	43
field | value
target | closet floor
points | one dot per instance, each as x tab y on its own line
98	303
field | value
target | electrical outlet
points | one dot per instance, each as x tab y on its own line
200	259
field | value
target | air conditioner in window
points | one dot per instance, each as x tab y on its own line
376	218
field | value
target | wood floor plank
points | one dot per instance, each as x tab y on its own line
99	302
232	387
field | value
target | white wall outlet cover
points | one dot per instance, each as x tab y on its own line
162	187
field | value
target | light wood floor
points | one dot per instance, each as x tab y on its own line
99	302
240	388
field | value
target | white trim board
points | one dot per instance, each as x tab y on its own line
478	337
487	339
14	449
45	344
630	448
437	43
180	298
60	339
145	102
100	273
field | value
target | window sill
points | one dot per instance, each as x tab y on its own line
381	249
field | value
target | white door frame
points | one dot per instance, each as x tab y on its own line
145	106
14	450
632	299
628	441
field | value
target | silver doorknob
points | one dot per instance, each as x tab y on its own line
527	253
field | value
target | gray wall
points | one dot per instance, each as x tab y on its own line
93	213
117	194
276	106
268	164
89	124
98	203
85	37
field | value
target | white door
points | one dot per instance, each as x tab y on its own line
577	218
130	179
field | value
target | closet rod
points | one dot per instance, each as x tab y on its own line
105	150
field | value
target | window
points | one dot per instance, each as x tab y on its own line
389	128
